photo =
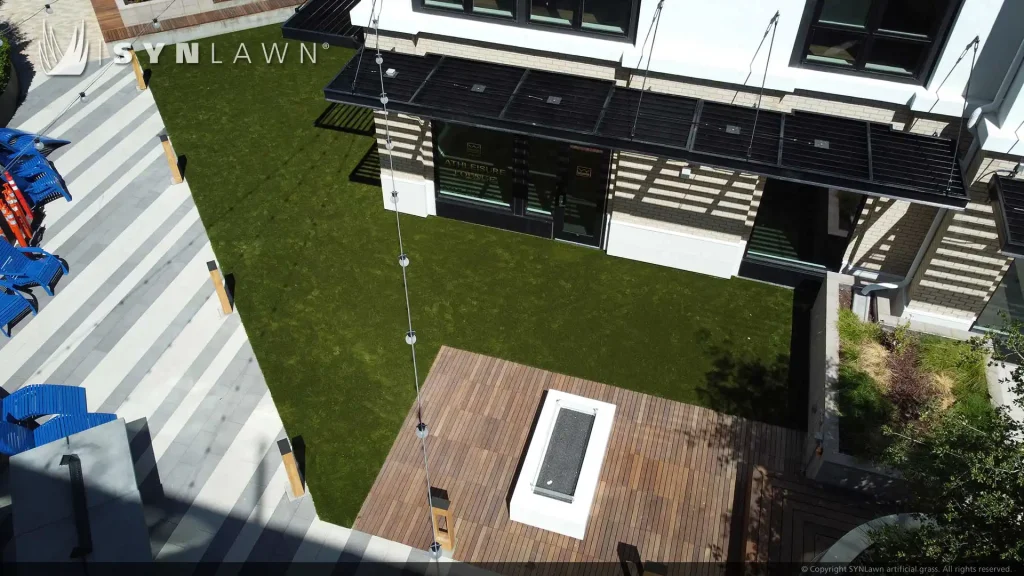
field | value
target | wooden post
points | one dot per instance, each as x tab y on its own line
444	526
291	467
218	285
172	159
140	79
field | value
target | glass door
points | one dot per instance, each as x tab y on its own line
580	214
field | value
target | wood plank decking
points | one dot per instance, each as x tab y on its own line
674	484
114	29
794	520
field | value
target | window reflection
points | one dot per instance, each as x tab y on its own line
560	12
606	15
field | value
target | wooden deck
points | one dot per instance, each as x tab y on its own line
792	520
114	29
674	484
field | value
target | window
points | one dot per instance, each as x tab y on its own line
892	38
615	18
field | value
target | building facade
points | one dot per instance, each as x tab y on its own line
769	139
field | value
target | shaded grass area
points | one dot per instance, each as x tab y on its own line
864	404
314	256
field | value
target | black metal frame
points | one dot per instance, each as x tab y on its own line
925	68
521	18
803	147
1007	195
324	21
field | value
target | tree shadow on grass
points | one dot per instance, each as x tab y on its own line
768	390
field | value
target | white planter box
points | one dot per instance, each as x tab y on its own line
568	518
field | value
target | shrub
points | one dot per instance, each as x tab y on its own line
910	390
5	62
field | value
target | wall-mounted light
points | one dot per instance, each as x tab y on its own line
975	116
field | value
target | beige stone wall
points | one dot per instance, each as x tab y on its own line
962	266
887	236
412	150
713	202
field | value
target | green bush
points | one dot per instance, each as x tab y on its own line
863	411
5	63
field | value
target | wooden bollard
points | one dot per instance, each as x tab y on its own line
140	79
441	516
218	285
172	159
291	467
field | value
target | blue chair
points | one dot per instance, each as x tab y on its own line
20	270
29	167
15	439
67	424
44	190
13	307
35	400
16	141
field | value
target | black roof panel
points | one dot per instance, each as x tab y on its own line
1009	197
805	147
559	100
726	130
324	21
826	143
472	87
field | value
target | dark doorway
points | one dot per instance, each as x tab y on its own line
801	232
521	183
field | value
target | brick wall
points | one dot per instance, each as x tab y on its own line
412	149
962	266
712	203
888	235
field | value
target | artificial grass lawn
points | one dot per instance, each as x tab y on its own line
319	288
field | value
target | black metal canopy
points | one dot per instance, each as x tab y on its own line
804	147
324	21
1008	200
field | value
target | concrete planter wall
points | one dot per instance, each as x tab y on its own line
9	98
825	462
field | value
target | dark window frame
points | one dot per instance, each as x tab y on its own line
521	18
922	75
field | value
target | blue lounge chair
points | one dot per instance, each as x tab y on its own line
15	439
20	270
65	425
29	167
15	141
35	400
13	307
45	189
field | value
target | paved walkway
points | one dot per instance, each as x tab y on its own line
137	323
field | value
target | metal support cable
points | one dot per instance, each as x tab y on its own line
359	63
773	26
10	26
655	22
403	261
967	91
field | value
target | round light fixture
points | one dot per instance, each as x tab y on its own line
421	430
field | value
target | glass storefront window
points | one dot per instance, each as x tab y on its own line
475	164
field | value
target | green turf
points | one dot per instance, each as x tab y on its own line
319	288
